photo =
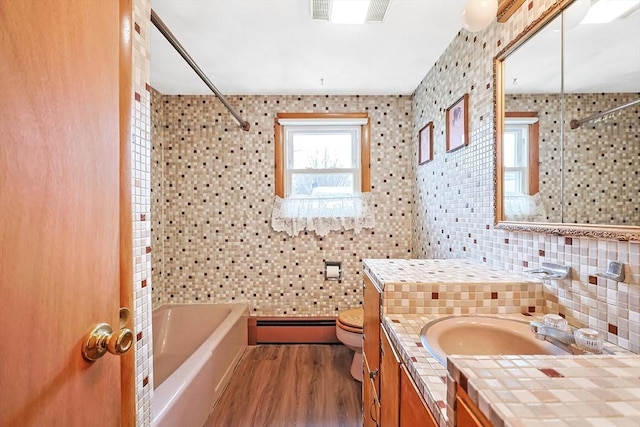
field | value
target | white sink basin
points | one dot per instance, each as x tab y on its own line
479	335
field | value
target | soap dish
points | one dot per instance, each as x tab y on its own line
589	340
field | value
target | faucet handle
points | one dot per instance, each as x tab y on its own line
589	340
555	321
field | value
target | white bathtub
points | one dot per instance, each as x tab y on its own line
195	350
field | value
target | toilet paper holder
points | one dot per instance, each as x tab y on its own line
332	270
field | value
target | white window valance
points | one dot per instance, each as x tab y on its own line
323	214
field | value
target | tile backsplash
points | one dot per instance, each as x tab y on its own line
452	287
453	215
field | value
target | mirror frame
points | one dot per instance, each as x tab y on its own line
616	232
506	8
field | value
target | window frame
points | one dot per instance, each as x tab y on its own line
533	149
521	156
280	148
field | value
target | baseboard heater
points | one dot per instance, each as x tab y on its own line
292	330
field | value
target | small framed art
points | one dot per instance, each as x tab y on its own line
458	124
425	144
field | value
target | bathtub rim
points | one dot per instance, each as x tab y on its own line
167	394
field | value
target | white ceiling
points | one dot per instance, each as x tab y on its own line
274	47
268	47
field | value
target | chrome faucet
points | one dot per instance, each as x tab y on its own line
544	331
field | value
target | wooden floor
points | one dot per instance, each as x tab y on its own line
291	385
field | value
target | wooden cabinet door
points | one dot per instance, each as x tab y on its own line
389	382
60	210
371	328
467	413
413	410
370	403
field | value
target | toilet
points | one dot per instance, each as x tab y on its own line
349	332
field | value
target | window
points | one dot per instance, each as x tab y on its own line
322	173
322	155
322	160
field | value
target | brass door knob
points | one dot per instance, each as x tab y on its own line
102	339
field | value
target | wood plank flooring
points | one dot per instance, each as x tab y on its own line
291	385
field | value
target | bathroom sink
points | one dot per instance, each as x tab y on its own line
480	335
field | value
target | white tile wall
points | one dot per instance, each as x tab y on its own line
141	209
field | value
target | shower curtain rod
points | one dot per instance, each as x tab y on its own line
575	124
155	19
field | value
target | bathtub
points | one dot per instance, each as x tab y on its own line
195	350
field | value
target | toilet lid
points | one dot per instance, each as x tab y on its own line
352	318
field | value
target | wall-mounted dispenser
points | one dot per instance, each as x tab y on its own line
332	270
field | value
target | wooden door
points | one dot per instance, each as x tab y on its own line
60	210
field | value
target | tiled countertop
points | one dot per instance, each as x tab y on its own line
431	378
531	391
434	271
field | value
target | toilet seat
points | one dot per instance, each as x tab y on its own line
351	320
348	328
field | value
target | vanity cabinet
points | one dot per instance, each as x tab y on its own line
390	397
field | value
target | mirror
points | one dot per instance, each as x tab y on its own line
567	123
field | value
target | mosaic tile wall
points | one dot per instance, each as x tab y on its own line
214	243
141	210
453	215
601	159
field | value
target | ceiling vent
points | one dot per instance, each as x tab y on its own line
321	9
377	10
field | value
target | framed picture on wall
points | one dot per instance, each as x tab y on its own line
425	144
458	124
